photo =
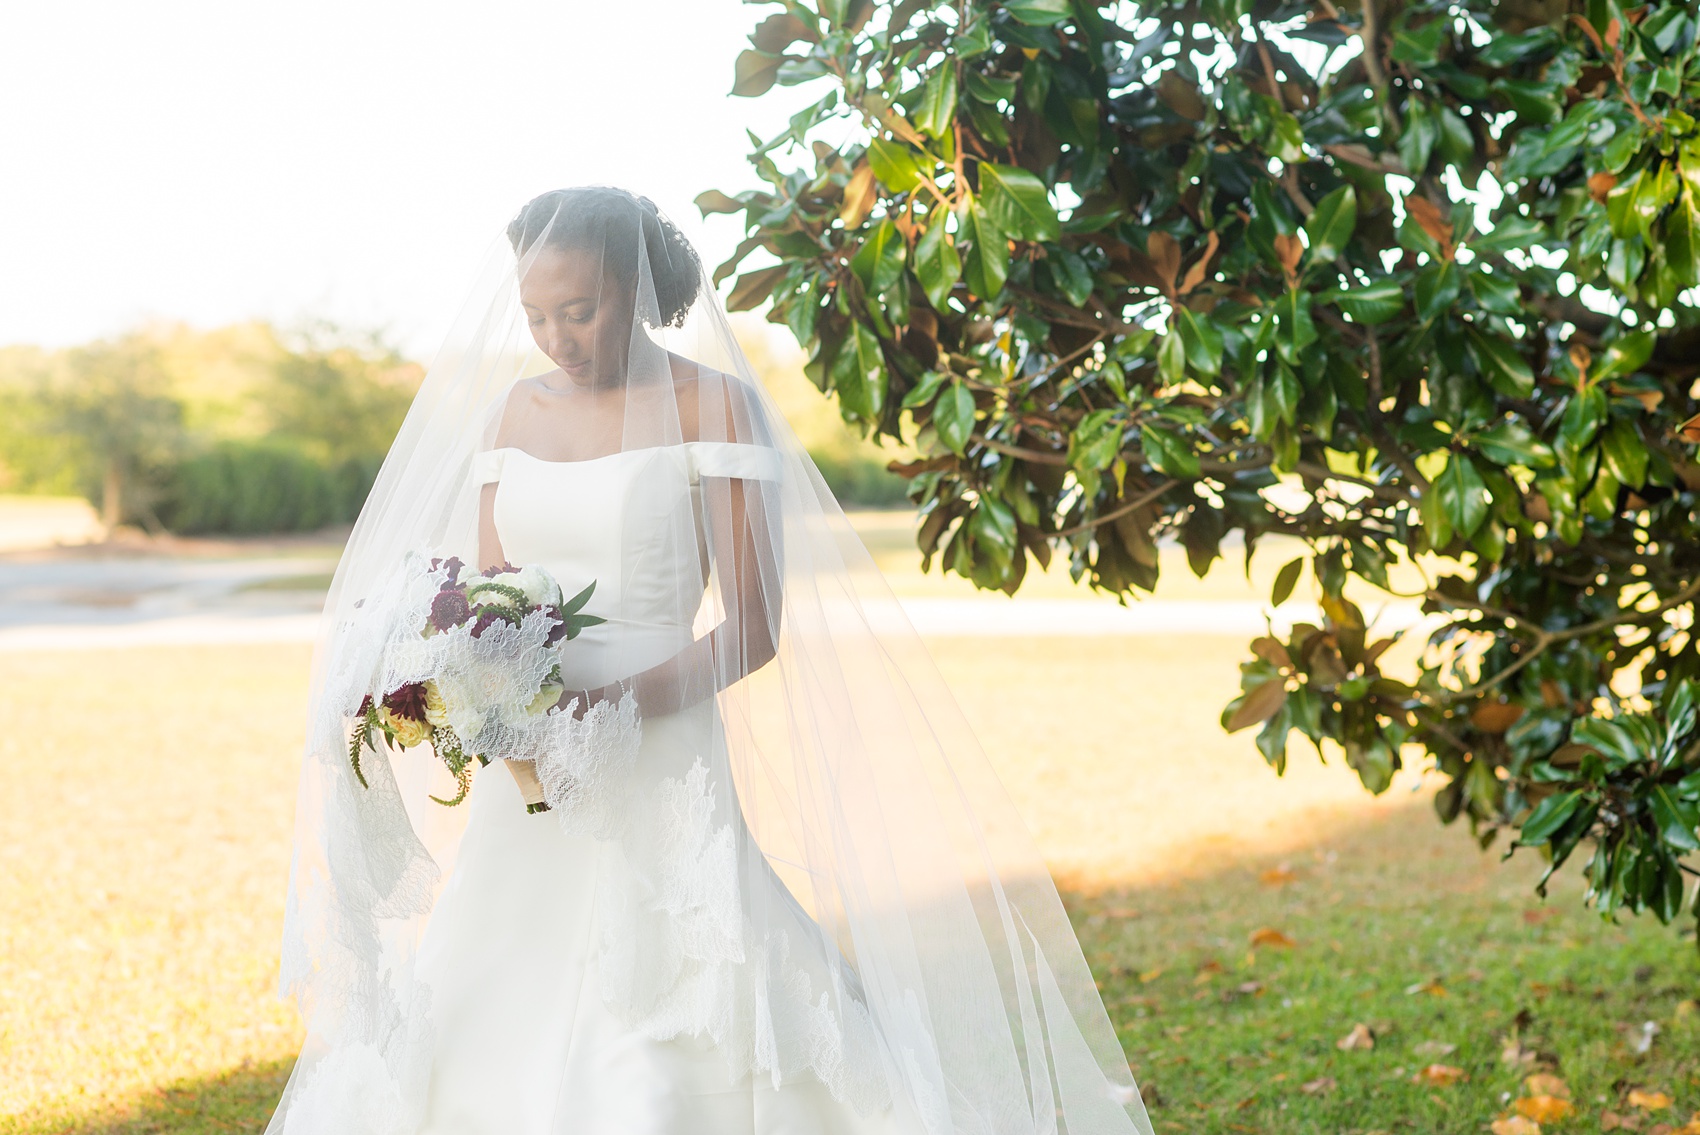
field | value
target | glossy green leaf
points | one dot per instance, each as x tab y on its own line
1073	278
1676	818
894	164
1502	364
1375	302
1202	340
937	264
1285	580
1171	358
1436	289
858	374
937	112
953	417
925	390
879	262
1549	816
1286	138
1297	330
1463	495
1039	13
1682	238
1331	225
1017	202
1168	452
1511	442
1496	292
986	263
1417	139
1095	441
987	88
1625	453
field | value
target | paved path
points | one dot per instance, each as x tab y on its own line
72	603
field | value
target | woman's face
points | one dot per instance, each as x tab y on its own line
579	315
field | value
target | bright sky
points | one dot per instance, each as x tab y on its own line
349	159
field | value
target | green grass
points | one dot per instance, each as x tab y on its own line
1405	928
137	959
239	1099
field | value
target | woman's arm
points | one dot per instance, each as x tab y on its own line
489	542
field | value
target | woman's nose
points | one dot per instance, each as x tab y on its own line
560	341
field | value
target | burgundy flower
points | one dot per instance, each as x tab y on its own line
408	701
486	620
449	609
365	706
559	630
492	573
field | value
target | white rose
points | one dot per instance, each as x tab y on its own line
539	586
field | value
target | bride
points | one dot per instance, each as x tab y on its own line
767	884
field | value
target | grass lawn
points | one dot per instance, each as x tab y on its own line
144	843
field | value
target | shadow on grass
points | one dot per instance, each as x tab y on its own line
239	1100
1232	992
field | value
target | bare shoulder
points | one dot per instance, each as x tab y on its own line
714	405
521	398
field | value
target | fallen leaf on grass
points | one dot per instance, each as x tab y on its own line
1515	1125
1150	975
1207	971
1278	876
1546	1084
1322	1085
1432	987
1538	915
1545	1109
1269	936
1438	1075
1686	1009
1359	1038
1611	1121
1516	1055
1434	1048
1648	1101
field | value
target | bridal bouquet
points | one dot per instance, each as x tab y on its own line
470	665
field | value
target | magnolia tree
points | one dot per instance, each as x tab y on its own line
1429	267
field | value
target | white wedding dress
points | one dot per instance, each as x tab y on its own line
602	986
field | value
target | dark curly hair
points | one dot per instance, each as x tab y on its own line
611	221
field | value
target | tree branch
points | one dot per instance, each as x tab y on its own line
1117	513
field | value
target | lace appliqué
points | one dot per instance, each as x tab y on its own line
679	957
585	766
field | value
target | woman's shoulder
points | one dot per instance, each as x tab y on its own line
714	405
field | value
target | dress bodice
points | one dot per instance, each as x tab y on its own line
632	522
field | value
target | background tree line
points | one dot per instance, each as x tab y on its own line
244	429
251	429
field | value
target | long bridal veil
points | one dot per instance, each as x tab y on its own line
916	955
